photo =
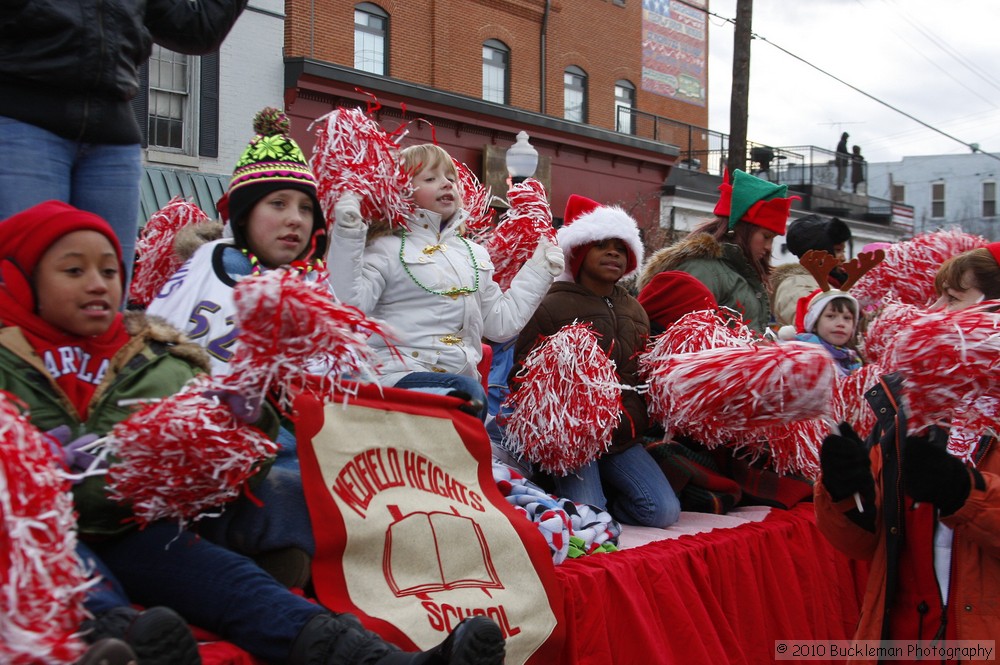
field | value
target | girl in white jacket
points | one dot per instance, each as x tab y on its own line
432	286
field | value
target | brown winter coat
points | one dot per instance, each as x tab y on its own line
622	326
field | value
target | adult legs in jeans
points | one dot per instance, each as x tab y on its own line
640	493
441	383
210	586
104	179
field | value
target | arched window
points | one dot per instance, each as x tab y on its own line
496	72
575	94
624	105
371	38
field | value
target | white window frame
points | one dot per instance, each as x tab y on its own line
575	94
989	198
624	123
371	44
173	97
496	72
938	190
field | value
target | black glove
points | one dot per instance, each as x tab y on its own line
931	474
845	466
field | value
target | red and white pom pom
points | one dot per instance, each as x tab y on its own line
42	581
883	330
476	199
295	335
568	404
950	362
700	330
515	238
184	456
792	447
718	391
156	260
907	273
849	403
353	153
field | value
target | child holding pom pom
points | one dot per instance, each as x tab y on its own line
432	285
273	219
71	357
926	520
601	245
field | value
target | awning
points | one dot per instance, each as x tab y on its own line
159	185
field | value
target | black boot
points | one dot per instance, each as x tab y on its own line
108	651
340	639
159	636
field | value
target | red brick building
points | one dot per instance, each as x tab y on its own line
480	71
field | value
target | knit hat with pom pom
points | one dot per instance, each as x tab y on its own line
271	161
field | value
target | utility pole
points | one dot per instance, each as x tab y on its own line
738	102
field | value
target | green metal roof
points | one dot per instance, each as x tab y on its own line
159	185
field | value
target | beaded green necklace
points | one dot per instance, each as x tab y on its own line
452	293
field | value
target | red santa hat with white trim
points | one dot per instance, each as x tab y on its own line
586	223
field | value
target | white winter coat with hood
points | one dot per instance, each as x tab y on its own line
400	280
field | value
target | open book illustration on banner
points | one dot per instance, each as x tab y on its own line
413	543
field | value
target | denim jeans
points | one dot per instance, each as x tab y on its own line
210	586
440	383
639	492
38	166
279	517
108	593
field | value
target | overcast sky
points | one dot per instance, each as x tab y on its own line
937	60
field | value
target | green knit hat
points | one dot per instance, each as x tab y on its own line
754	200
272	161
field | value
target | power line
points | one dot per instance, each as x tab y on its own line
974	147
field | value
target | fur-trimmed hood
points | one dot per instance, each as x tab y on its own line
695	246
190	238
143	328
786	270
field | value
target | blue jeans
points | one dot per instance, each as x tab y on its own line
640	493
441	383
282	519
503	361
107	594
210	586
38	166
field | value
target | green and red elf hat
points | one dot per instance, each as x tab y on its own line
755	201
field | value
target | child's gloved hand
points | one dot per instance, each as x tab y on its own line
550	256
845	466
245	408
347	211
931	474
74	454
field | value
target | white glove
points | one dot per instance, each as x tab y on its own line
549	256
347	211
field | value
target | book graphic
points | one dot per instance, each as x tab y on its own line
426	552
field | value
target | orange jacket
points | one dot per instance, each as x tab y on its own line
974	593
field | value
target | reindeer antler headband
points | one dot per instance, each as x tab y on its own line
819	263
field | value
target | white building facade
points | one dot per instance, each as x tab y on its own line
196	112
946	191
